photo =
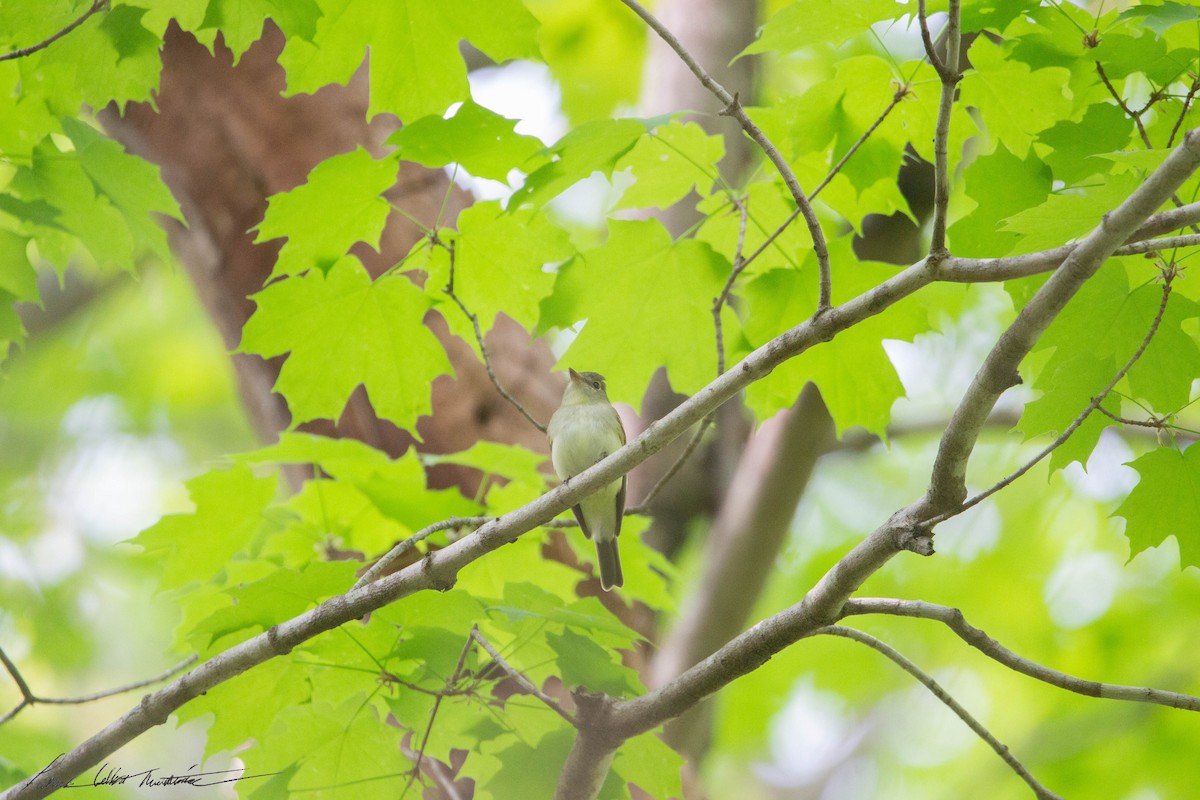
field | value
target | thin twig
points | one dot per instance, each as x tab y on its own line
1168	276
739	264
953	619
1157	424
950	76
1136	116
16	676
1157	245
474	319
129	687
98	5
28	698
1187	102
926	680
670	473
900	94
927	39
733	108
437	704
516	675
392	556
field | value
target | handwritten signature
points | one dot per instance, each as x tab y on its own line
111	775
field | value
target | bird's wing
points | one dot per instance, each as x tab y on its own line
577	510
617	419
620	506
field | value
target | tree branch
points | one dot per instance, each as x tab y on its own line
941	694
28	698
821	605
986	270
97	6
742	546
1168	276
734	109
953	619
438	570
927	38
947	488
392	556
1187	102
950	75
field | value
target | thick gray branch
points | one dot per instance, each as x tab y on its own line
947	487
439	570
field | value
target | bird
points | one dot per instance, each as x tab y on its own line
584	430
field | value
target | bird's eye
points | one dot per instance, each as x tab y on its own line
595	384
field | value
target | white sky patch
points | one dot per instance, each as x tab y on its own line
1081	589
811	735
1106	478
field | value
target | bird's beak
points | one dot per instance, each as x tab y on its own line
574	375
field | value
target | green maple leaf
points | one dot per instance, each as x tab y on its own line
1166	502
811	22
132	185
1068	215
343	330
17	275
275	598
1107	320
500	261
1160	17
416	67
1065	396
862	395
592	147
669	163
340	204
334	746
649	763
1013	117
1104	128
196	546
241	21
642	287
1002	185
111	58
482	141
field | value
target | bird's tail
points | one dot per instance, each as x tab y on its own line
609	560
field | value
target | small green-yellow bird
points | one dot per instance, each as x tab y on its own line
584	430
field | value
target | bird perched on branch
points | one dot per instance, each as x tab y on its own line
584	430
